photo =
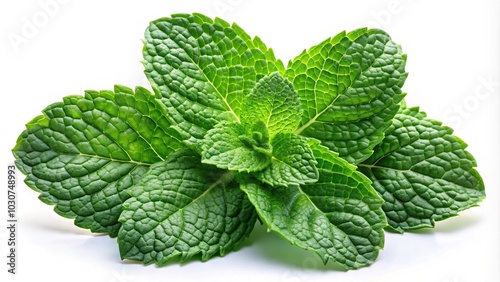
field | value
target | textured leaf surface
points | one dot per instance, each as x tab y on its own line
292	163
274	102
230	146
350	87
423	172
182	208
204	68
84	152
339	217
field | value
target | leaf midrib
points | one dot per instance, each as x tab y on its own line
111	159
370	167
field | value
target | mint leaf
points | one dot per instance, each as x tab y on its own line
182	208
230	146
293	162
423	172
85	152
349	88
275	102
339	217
203	69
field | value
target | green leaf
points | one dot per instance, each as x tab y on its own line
350	87
339	217
183	208
203	69
230	146
293	162
423	172
84	152
274	102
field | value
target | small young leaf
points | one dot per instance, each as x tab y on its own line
230	146
293	162
339	217
350	87
423	172
183	208
85	152
274	102
203	69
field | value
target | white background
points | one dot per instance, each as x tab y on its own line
453	61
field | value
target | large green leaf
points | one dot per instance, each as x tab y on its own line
339	217
84	152
423	172
183	208
274	102
203	69
350	87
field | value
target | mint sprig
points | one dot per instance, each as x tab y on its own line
323	152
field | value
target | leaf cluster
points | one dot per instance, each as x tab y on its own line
323	152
